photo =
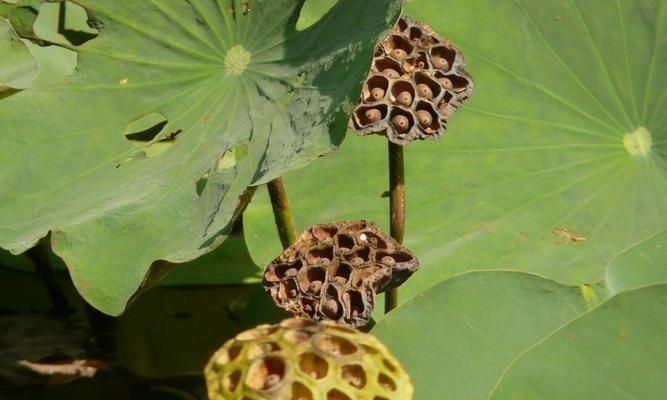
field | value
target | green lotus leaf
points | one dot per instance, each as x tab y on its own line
555	165
513	335
21	14
617	351
146	151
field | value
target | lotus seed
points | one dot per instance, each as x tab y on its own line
424	118
377	93
446	83
373	115
424	90
399	54
330	307
401	123
390	73
404	98
389	261
440	62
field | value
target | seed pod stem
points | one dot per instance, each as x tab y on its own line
397	209
282	212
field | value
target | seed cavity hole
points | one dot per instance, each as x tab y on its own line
354	375
313	365
260	349
300	392
231	381
386	382
334	345
265	373
335	394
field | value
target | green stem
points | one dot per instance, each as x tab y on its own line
282	212
396	209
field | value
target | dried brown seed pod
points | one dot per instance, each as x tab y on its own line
340	268
305	360
433	68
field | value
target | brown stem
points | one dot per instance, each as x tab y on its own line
39	255
396	209
282	212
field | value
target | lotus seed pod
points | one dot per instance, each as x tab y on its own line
401	122
340	268
373	115
424	118
305	360
404	98
414	53
378	93
390	73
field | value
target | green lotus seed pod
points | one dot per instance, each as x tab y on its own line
305	360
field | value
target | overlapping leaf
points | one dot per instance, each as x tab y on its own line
556	164
212	96
18	67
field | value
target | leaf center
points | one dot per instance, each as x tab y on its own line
639	142
237	59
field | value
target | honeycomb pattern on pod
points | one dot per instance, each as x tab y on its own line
417	81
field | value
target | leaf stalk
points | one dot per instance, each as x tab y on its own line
396	209
282	212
